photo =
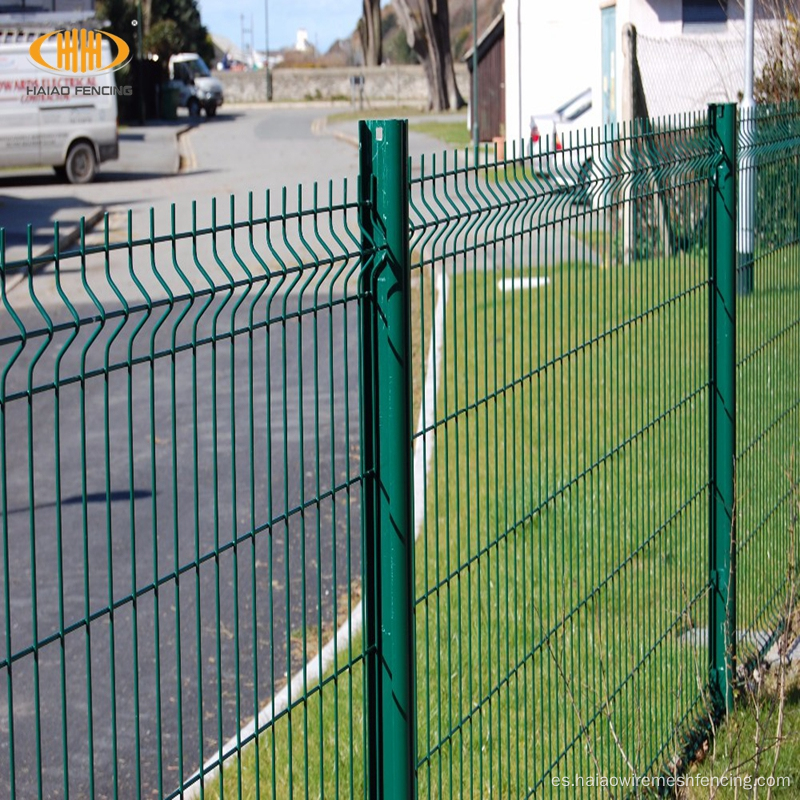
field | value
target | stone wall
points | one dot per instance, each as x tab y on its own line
398	84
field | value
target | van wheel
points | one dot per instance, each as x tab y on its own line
194	107
211	111
80	166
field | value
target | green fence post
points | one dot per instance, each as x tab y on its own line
386	397
722	617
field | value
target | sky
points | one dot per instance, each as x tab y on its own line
325	20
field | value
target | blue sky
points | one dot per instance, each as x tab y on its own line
325	20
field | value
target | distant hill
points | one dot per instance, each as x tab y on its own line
461	22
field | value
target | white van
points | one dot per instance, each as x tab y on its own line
68	122
189	74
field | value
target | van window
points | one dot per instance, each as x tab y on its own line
196	68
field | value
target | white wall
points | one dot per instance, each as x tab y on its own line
683	69
552	55
664	18
553	52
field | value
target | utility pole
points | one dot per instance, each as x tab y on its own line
746	235
266	50
245	33
139	56
474	105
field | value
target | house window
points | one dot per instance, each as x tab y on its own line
704	12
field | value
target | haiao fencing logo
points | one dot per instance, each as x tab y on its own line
78	52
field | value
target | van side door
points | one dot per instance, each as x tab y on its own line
19	113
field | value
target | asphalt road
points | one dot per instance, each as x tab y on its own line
240	151
201	512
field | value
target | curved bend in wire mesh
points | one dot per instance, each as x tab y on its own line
182	480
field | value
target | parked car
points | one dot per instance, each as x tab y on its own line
46	121
561	145
197	89
550	130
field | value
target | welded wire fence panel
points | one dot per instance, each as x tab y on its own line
181	494
560	572
189	412
768	386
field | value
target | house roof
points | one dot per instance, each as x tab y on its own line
487	39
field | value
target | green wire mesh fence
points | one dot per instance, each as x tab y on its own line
209	528
179	451
767	344
559	566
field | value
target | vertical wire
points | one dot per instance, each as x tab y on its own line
32	534
59	521
9	669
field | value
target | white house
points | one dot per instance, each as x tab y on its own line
552	52
302	43
690	53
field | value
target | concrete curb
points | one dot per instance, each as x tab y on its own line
319	127
66	239
345	137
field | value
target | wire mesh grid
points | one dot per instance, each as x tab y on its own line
768	401
182	476
558	571
181	490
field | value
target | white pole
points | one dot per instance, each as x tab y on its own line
746	165
749	44
473	107
266	49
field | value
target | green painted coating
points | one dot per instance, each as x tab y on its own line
388	519
722	612
205	445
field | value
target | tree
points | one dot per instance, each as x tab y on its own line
369	32
395	44
779	80
186	15
164	40
427	27
170	26
121	16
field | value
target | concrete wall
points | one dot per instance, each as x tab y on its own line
400	84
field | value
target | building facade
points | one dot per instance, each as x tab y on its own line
689	53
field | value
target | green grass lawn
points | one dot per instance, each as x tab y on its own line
386	112
543	543
455	133
317	749
760	739
596	238
564	554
